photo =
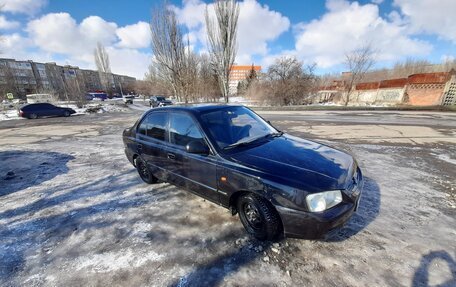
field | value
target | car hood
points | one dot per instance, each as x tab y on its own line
299	163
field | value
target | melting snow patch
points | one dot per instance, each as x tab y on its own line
446	158
113	261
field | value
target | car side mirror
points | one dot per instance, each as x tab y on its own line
197	147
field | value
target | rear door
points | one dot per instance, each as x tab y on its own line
151	145
194	172
49	110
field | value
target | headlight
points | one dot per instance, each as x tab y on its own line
324	200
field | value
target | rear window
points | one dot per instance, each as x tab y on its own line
154	126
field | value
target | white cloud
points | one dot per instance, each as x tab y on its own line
16	46
5	24
430	16
347	26
378	2
12	41
257	26
134	36
129	62
60	33
30	7
191	14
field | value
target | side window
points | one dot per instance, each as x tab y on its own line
183	129
156	126
142	127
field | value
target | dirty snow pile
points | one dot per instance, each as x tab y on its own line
8	115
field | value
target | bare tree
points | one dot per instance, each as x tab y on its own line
222	34
207	88
172	56
358	63
289	83
7	81
103	67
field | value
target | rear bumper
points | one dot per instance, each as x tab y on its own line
129	155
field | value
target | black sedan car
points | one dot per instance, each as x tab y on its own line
277	183
33	111
159	101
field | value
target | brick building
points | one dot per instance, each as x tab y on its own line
425	89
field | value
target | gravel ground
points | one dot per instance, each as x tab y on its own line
73	211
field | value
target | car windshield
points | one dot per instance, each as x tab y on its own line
234	126
160	99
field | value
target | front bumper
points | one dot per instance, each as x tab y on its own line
309	225
318	225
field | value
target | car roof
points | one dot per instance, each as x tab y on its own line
196	108
34	105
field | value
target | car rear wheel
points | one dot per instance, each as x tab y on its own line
66	113
33	116
144	172
258	217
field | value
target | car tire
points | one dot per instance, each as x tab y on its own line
33	116
144	171
258	217
66	113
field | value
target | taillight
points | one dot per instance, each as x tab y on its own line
21	113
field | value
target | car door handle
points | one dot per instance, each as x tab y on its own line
171	156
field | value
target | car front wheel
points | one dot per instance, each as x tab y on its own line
66	113
144	172
258	217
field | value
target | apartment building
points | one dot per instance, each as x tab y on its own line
27	77
239	73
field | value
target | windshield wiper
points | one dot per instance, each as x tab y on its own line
274	135
247	142
241	143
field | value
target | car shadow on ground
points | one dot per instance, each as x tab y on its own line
422	273
23	235
41	166
368	210
216	270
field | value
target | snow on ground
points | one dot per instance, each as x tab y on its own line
73	211
108	106
10	114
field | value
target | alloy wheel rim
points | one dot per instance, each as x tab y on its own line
143	170
252	215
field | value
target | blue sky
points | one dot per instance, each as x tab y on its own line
322	32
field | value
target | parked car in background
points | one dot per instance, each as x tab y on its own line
96	96
277	183
33	111
128	99
39	98
159	101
